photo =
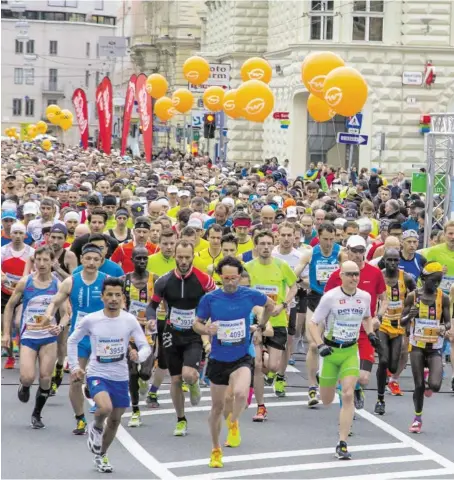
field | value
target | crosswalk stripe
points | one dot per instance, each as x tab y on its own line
433	472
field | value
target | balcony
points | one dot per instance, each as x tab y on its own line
53	88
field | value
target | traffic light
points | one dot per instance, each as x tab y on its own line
209	125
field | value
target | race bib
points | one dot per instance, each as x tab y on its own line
447	283
425	330
109	350
138	309
345	331
394	304
35	318
324	270
269	290
12	280
231	332
182	319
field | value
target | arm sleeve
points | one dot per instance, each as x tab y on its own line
82	329
140	340
323	310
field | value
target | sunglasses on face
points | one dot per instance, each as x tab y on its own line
358	250
351	274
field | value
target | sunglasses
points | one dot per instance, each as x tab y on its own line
351	274
230	278
358	250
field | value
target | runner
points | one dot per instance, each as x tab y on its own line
120	232
108	331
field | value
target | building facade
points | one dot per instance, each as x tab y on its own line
389	42
50	48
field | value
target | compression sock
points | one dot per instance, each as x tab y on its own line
80	417
153	389
181	419
418	417
381	398
41	398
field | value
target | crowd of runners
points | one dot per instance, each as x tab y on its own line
123	273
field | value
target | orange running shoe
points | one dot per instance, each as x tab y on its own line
10	363
394	389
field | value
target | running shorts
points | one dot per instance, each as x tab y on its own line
278	340
343	362
118	390
366	351
181	351
36	343
219	372
313	299
291	330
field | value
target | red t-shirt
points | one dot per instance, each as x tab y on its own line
314	241
370	253
123	254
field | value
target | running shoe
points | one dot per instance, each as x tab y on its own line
181	429
66	369
102	464
379	408
359	399
300	348
135	420
269	378
415	427
313	398
261	414
291	361
233	435
23	393
81	428
279	388
143	387
53	390
195	394
94	440
4	353
185	387
341	451
93	408
452	384
216	458
394	389
152	400
10	363
37	423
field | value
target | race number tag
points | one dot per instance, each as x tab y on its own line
425	330
447	283
231	332
109	350
269	290
324	270
345	331
182	319
138	309
35	318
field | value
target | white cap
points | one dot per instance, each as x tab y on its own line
356	241
364	224
30	208
164	202
292	212
71	216
18	227
278	199
172	189
195	223
228	201
88	185
340	222
184	193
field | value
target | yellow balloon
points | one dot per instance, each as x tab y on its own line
46	144
345	91
196	70
316	67
255	100
163	108
66	119
229	104
212	98
256	69
319	110
156	85
53	113
13	131
8	132
41	127
182	100
32	131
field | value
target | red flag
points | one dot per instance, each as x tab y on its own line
104	104
127	111
81	108
144	105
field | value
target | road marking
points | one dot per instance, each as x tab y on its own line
306	467
286	454
435	472
291	369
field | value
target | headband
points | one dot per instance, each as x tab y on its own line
90	248
242	222
18	227
71	216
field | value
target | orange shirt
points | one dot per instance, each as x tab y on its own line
123	254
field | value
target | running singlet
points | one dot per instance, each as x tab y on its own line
232	311
396	296
36	300
322	267
442	254
13	265
109	268
424	328
342	314
245	247
413	267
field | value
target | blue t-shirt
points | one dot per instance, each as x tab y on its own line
111	269
410	224
210	221
233	312
28	240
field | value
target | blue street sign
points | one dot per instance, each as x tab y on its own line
354	122
352	139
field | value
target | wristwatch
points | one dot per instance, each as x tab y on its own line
261	327
285	305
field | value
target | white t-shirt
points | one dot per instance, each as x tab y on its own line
35	227
292	259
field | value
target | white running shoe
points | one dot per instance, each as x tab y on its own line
135	420
102	464
94	440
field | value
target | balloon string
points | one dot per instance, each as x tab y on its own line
337	145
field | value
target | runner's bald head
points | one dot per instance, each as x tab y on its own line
392	242
349	266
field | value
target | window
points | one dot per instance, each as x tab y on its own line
17	107
53	47
62	3
29	107
19	47
368	16
52	101
31	15
18	76
321	16
53	74
76	17
98	75
100	19
87	49
87	78
54	16
30	46
99	4
29	75
10	14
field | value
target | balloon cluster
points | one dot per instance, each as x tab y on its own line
334	88
59	117
12	133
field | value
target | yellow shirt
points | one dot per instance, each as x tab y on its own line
245	247
204	259
160	265
111	223
203	245
173	212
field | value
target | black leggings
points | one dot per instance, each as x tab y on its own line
145	371
388	358
420	358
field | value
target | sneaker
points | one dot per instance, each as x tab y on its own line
300	348
143	387
269	379
279	388
36	422
23	394
261	414
359	399
313	398
4	353
93	408
53	390
66	369
233	435
94	440
341	451
185	387
102	464
216	458
181	429
10	363
152	400
415	427
394	389
452	384
195	394
81	428
135	420
379	408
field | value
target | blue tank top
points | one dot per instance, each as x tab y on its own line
322	267
412	267
247	256
85	298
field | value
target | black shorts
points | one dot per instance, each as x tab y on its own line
181	351
278	340
5	299
162	363
291	329
301	300
219	372
313	299
146	367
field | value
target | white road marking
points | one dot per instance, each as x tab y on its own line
291	369
435	472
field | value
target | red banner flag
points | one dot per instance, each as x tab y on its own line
127	111
81	108
144	105
104	105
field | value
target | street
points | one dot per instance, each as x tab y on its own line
295	442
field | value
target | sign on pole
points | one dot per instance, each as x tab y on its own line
113	47
219	77
352	139
355	122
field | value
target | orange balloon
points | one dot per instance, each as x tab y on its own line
256	69
163	108
156	85
182	100
196	70
229	104
315	68
212	98
345	91
318	109
255	100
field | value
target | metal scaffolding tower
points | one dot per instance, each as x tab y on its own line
439	150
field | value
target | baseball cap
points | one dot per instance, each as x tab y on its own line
10	176
351	214
172	189
195	223
356	241
373	170
9	214
59	228
30	208
292	212
410	234
71	216
137	209
184	193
